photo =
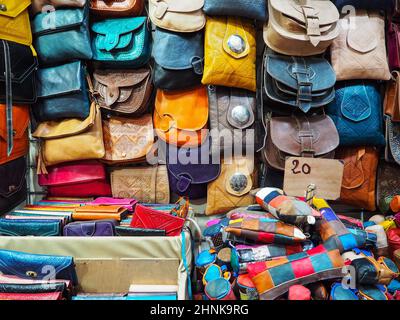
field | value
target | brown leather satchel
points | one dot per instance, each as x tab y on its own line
300	136
123	91
38	5
117	8
359	176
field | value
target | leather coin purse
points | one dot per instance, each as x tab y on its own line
30	227
97	212
120	8
101	228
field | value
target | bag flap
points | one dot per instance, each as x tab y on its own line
20	127
235	41
238	176
355	104
362	36
319	133
178	6
353	174
12	177
12	8
30	227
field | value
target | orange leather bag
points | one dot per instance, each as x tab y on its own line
21	144
180	116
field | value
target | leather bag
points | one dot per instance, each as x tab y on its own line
179	59
101	228
370	271
359	52
393	45
41	5
109	212
124	8
359	176
14	21
301	27
145	184
126	92
121	42
177	15
253	9
388	184
302	136
30	227
230	53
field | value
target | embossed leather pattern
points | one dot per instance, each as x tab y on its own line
14	22
30	227
120	8
251	9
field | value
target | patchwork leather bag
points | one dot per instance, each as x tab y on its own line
301	27
177	15
303	136
230	53
179	59
14	21
121	42
40	5
292	83
125	92
359	176
124	8
359	52
388	185
255	9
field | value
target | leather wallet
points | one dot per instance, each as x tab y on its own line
102	228
99	213
127	203
30	227
123	231
31	296
33	288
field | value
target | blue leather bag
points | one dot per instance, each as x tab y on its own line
365	4
252	9
30	227
357	113
62	93
62	35
121	42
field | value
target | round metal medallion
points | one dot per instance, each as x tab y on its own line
240	114
238	182
236	43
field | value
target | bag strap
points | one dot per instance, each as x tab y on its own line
304	84
306	136
9	114
312	23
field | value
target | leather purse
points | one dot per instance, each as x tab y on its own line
292	83
126	92
357	56
301	28
232	187
70	140
299	136
177	15
179	59
180	116
30	227
101	228
339	292
124	8
370	271
109	212
41	5
14	21
51	296
357	113
33	288
128	204
299	293
127	139
121	42
387	184
219	289
359	176
393	45
62	93
145	184
393	238
230	53
254	9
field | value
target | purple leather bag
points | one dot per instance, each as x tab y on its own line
98	228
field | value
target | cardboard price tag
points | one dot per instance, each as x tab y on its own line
325	174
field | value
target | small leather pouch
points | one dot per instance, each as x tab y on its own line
121	8
122	231
101	228
99	213
30	227
370	271
14	19
339	292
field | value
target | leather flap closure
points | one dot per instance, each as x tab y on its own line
20	127
240	113
89	228
238	181
354	176
12	177
235	41
12	8
178	6
359	36
355	104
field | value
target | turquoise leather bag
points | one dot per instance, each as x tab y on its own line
121	42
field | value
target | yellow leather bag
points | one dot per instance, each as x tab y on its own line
230	53
14	21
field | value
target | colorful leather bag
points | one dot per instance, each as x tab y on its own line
179	59
370	271
339	292
387	184
219	289
357	113
393	45
14	21
101	228
177	15
40	5
230	53
109	212
121	42
30	227
255	9
124	8
180	116
393	237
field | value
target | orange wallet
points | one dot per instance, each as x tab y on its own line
99	213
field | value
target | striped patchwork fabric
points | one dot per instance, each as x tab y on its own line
274	277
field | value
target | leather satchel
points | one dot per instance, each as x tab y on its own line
177	15
124	8
126	92
101	228
121	42
30	227
230	53
359	176
14	21
301	27
41	5
314	136
127	139
359	52
388	185
145	184
179	59
253	9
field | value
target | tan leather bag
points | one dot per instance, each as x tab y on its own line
38	5
145	184
123	91
117	8
359	52
301	27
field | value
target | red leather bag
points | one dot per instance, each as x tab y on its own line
76	179
393	236
299	292
393	44
31	296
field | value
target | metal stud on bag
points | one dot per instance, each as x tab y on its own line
31	274
3	7
241	114
236	43
238	182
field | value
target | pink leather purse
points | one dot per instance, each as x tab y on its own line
393	44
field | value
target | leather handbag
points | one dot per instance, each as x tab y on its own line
388	184
301	28
254	9
124	8
13	189
145	184
361	4
393	45
101	228
179	59
121	42
292	83
127	139
393	237
70	140
62	35
232	187
299	136
126	92
41	5
76	179
230	53
357	56
50	296
179	116
370	271
62	93
357	113
109	212
30	227
14	21
359	176
177	15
